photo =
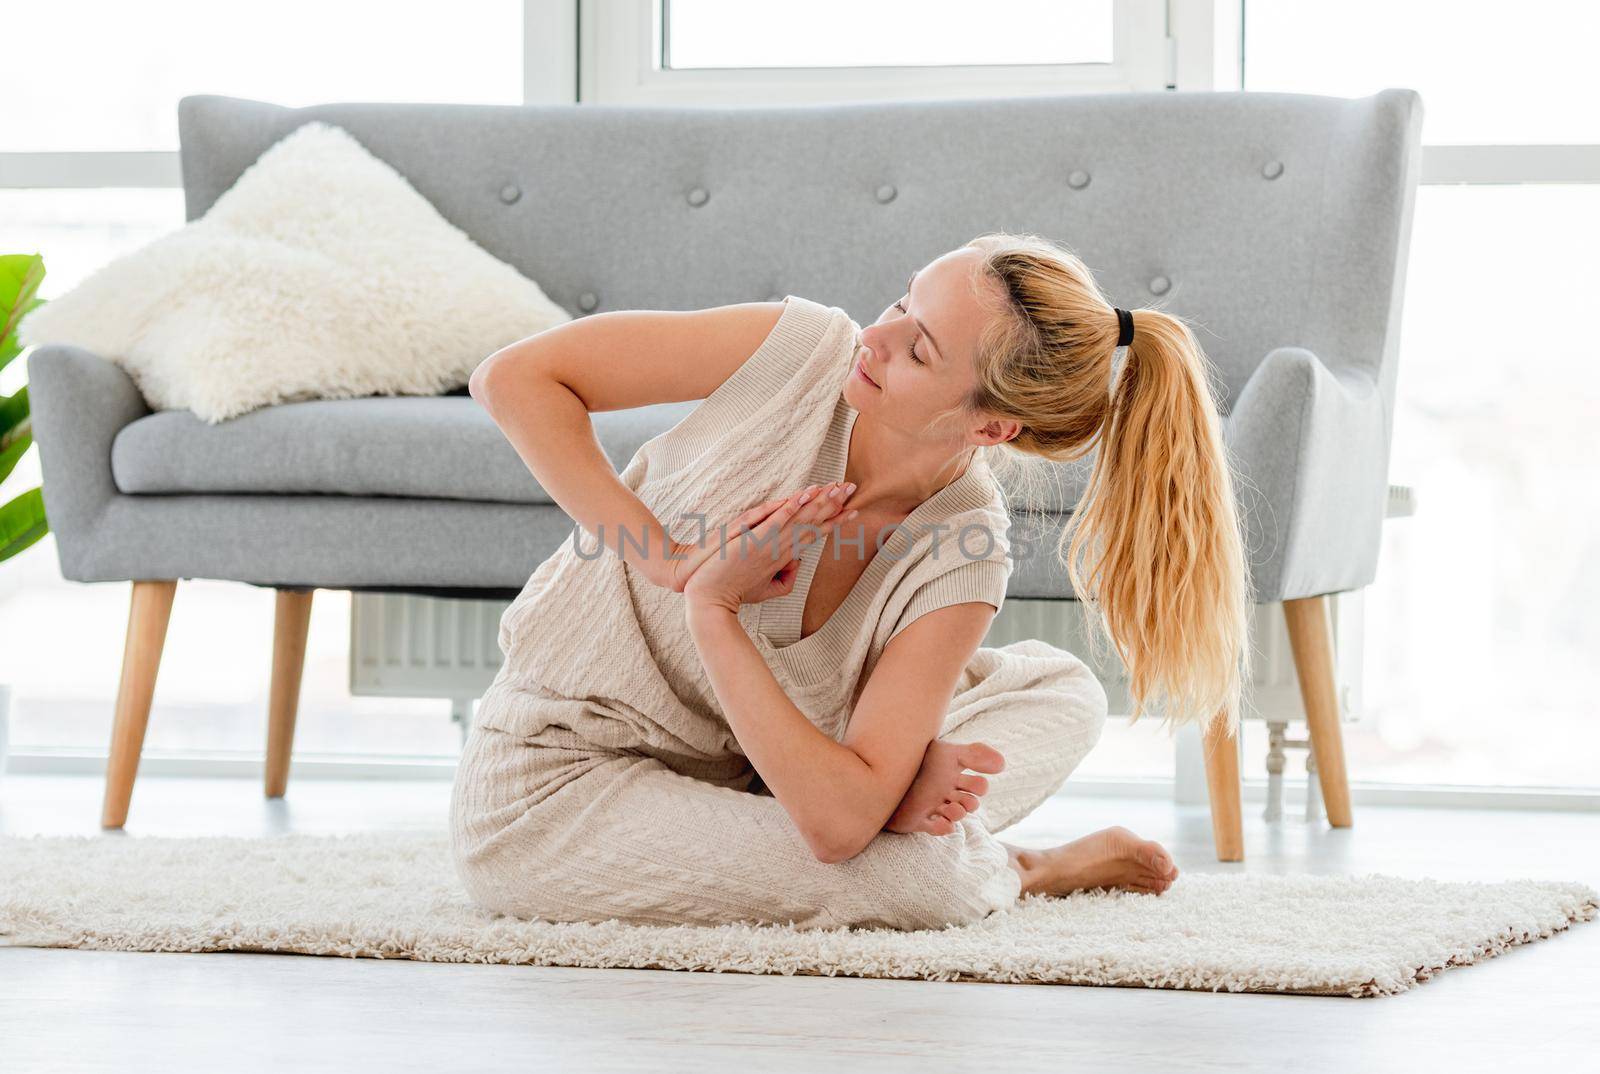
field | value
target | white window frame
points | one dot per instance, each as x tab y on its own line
1441	164
608	50
620	45
1190	45
549	76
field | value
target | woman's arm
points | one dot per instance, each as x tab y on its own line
841	794
541	390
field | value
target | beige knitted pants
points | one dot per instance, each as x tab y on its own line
551	827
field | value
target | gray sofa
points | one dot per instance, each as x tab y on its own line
1278	223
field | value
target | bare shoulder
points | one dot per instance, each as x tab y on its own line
631	358
904	701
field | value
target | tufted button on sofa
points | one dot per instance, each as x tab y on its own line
1297	283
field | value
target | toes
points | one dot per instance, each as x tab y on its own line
940	825
981	757
1151	876
973	783
951	810
1152	856
966	800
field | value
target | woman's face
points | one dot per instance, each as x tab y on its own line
916	358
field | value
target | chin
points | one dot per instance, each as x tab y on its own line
856	393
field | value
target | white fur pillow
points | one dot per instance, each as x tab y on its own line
320	274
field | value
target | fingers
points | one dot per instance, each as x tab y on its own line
824	507
809	509
821	501
812	505
757	513
811	502
828	500
786	510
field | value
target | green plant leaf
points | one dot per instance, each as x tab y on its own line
14	412
22	522
20	276
12	453
10	347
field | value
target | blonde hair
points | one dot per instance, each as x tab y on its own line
1156	550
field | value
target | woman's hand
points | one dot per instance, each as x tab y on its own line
760	558
684	556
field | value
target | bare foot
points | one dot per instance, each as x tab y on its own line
942	792
1110	858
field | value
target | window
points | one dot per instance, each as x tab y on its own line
1488	73
889	33
726	53
78	231
1479	634
87	175
1480	627
291	52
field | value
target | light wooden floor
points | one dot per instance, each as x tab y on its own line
1532	1009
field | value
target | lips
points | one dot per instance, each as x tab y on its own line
861	371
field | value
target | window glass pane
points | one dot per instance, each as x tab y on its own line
887	33
1479	628
1481	632
117	86
63	643
1508	74
79	230
1143	750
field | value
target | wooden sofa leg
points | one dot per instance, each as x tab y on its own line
149	610
1222	783
1312	643
291	624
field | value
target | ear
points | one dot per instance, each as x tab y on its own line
998	431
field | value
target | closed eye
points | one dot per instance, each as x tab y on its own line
900	305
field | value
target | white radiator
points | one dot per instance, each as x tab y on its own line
410	646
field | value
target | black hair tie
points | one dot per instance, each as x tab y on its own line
1124	326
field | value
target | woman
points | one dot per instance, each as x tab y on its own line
716	722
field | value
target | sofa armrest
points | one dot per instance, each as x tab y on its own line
79	402
1311	445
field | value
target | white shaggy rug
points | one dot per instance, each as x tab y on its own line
395	895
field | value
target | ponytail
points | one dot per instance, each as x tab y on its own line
1156	548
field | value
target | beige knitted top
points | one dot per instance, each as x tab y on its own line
592	645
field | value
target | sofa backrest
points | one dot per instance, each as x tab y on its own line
1265	219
